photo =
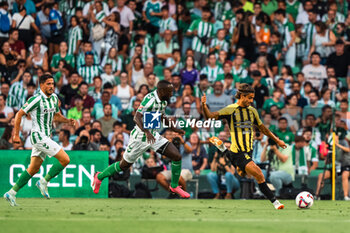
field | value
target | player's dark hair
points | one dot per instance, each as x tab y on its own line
45	77
163	84
244	89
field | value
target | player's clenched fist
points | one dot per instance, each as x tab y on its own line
204	99
16	139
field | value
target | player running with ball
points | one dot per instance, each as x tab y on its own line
142	139
241	117
43	109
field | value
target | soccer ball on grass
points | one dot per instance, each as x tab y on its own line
304	200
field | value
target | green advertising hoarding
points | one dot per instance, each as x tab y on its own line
73	181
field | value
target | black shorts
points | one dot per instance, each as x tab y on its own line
240	159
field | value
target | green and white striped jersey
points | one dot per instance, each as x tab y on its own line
146	54
89	72
100	16
150	103
167	24
69	8
204	29
17	95
42	110
81	59
117	64
224	45
199	93
74	35
309	31
240	73
213	73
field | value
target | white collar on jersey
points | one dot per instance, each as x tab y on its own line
156	95
43	94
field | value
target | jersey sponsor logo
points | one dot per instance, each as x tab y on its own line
47	110
151	120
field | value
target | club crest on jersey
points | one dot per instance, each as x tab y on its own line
151	120
47	110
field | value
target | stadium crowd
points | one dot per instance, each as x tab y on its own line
106	56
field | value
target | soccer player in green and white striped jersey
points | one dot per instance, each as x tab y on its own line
144	137
202	30
75	36
89	70
43	109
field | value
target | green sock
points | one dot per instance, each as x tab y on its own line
54	171
175	173
112	169
23	180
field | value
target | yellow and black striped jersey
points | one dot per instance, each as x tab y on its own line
241	121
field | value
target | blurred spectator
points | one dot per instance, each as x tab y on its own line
88	71
261	91
189	74
83	142
107	120
165	48
323	41
123	91
17	45
62	55
71	89
315	72
88	101
6	112
95	137
304	157
314	107
97	111
281	171
76	112
283	132
199	155
324	122
18	91
128	118
96	91
218	99
274	100
212	70
64	136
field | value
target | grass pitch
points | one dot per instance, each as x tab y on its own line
146	215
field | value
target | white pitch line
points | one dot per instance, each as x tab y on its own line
180	220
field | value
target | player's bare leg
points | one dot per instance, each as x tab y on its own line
173	153
63	161
109	171
33	168
253	170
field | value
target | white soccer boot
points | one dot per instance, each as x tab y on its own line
10	198
42	186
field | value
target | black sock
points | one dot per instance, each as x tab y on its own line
267	192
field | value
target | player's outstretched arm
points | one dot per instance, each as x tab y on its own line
268	133
139	122
207	113
58	117
18	118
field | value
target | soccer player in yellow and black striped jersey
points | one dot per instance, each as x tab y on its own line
241	118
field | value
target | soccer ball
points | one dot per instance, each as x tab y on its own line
304	200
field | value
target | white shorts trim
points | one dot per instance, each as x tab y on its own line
45	147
